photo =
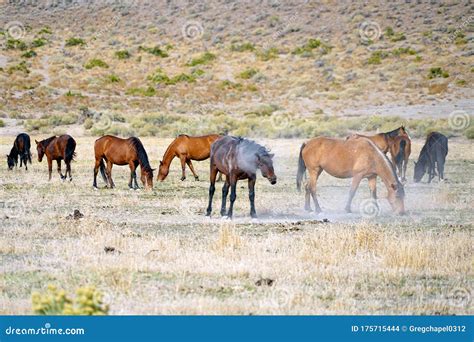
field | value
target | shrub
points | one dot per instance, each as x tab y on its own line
460	38
88	301
122	54
437	72
45	30
2	123
21	67
469	132
160	77
267	54
15	44
150	91
248	73
306	50
247	46
95	62
113	78
38	42
229	85
205	58
29	54
376	57
403	51
156	51
75	42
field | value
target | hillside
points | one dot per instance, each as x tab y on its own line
136	67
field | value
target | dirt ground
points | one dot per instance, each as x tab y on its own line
164	256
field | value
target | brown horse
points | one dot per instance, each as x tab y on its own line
400	151
355	157
238	159
119	151
385	140
57	148
186	148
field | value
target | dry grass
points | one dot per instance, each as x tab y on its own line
168	259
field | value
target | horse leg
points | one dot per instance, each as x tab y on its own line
50	167
68	170
135	176
25	161
212	188
312	185
307	198
252	180
183	167
355	184
132	173
59	170
188	161
373	189
225	191
109	174
233	195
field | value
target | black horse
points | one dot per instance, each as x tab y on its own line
433	154
238	159
21	148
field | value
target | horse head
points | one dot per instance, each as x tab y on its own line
146	177
163	171
420	170
396	196
11	162
40	149
265	164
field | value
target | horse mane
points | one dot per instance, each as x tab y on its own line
47	141
400	191
141	153
393	133
252	146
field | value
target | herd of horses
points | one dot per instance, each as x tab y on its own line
357	157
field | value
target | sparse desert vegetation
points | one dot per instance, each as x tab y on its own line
279	72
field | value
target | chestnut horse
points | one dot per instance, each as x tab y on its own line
238	158
385	140
21	147
57	148
355	157
400	151
186	148
115	150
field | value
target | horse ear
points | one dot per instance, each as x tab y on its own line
153	170
271	155
161	163
36	141
394	186
414	162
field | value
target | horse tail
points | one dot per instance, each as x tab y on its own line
301	168
102	169
401	152
70	147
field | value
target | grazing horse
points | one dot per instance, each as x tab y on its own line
400	151
385	140
57	148
186	148
355	157
120	151
21	147
238	158
433	154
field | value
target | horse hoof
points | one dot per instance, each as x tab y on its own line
183	178
308	209
196	178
